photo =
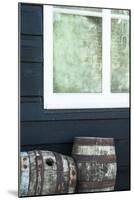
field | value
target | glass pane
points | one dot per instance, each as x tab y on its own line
123	12
120	55
77	54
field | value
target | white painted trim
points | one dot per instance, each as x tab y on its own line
88	13
77	12
78	100
48	51
84	100
106	46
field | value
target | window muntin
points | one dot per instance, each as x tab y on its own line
61	99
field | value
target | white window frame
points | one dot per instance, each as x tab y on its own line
106	99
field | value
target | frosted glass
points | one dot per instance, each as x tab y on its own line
123	12
120	56
77	52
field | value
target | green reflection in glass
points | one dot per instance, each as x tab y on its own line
77	54
120	56
122	12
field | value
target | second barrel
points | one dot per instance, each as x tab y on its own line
96	163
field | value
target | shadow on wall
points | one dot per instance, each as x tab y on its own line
13	193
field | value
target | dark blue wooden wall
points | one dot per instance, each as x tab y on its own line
54	129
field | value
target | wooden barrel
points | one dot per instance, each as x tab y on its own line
45	173
96	164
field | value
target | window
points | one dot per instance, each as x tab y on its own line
86	57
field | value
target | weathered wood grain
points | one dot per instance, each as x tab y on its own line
72	176
96	164
33	176
24	180
39	172
49	173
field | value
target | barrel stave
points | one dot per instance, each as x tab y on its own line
33	175
65	174
24	171
39	172
50	173
72	175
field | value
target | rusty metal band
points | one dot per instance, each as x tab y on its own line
95	158
42	173
96	184
36	174
39	169
60	178
91	142
32	167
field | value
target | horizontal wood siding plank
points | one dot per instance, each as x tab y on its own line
31	19
123	178
34	111
31	99
31	48
65	148
31	79
47	132
122	151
